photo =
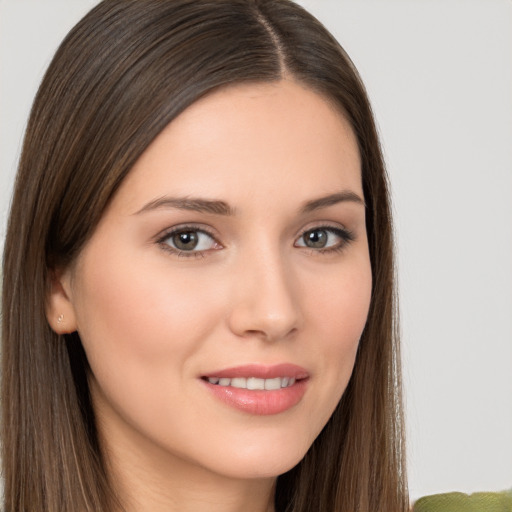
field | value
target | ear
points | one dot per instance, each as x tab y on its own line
60	311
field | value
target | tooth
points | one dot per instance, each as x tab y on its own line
254	383
273	383
239	382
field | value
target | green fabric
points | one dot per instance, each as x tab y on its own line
459	502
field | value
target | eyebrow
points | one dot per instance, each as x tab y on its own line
189	203
332	199
217	207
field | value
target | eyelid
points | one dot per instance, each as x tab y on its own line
164	235
191	226
328	225
346	237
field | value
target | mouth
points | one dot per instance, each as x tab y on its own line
258	389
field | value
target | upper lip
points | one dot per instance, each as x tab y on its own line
261	371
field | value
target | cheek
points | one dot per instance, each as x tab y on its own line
139	323
340	306
340	303
138	305
141	331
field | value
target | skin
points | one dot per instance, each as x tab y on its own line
153	321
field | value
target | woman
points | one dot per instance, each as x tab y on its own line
198	308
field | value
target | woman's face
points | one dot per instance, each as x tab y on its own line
233	256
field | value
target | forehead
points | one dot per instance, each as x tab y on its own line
242	140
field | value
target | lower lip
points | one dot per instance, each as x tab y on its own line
259	402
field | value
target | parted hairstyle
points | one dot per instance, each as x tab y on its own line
125	71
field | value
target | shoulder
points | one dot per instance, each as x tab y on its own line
460	502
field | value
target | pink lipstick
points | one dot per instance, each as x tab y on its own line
259	389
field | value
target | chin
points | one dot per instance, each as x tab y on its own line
261	460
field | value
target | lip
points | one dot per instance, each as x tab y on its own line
260	402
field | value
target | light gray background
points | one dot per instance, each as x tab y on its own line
439	74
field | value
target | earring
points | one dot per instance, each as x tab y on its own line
60	319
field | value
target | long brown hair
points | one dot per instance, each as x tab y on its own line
120	76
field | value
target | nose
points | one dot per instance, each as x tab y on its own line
266	302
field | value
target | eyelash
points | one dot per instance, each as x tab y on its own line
346	237
184	229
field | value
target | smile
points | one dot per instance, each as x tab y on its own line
259	389
253	383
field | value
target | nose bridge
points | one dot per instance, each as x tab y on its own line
265	303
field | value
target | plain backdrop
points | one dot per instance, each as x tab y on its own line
439	75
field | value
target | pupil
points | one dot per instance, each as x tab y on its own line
316	239
186	240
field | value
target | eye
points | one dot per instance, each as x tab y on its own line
325	238
188	240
